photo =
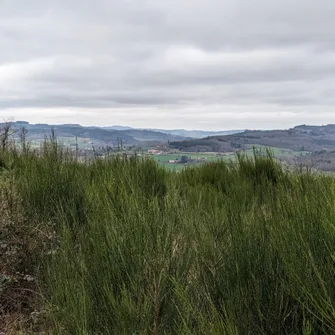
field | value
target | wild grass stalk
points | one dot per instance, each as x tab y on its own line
225	248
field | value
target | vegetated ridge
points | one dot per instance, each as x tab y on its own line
97	135
299	138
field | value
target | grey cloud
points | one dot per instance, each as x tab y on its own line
169	58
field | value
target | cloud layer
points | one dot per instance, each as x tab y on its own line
211	64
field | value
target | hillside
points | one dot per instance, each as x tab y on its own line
318	160
99	136
299	138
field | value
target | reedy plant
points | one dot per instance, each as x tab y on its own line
225	248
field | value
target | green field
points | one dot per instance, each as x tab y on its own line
164	159
206	157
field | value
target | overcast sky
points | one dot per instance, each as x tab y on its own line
194	64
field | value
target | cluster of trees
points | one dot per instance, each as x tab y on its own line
7	132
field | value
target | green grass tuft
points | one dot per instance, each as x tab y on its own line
127	247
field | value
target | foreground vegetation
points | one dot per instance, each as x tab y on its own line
122	246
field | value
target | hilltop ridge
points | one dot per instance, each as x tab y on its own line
111	135
299	138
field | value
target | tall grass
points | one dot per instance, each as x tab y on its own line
225	248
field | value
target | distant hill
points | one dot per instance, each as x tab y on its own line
117	127
180	132
86	136
110	135
197	133
299	138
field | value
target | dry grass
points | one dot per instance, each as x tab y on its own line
21	241
21	324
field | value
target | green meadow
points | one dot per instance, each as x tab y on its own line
206	157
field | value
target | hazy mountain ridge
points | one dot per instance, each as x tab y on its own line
180	132
98	135
197	133
111	135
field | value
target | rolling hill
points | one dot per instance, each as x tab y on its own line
299	138
69	133
180	132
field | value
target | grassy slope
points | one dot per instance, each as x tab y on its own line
299	138
127	247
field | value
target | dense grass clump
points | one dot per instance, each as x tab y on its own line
127	247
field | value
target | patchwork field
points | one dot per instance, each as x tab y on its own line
205	157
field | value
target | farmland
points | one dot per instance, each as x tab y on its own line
199	158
